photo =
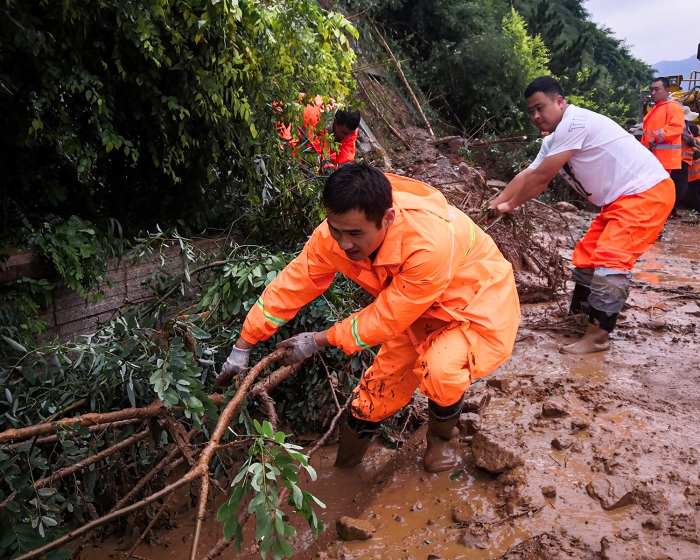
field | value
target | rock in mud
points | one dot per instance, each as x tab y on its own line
469	423
562	442
495	452
473	512
612	492
470	540
653	524
350	529
501	383
579	423
565	207
553	408
549	491
608	550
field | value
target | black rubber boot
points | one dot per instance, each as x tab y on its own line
579	300
442	450
355	439
601	319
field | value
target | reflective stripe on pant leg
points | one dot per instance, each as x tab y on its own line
609	289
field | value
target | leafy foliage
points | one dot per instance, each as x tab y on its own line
155	111
269	467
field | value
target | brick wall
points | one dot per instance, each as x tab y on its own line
70	315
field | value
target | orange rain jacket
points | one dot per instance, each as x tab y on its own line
694	169
433	263
664	124
312	117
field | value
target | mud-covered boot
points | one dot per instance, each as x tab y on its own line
579	299
443	449
597	336
355	439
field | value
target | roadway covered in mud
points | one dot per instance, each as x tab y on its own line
579	456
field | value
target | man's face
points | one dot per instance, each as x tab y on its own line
658	92
357	236
545	112
340	132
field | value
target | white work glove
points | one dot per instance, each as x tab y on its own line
302	346
234	364
237	361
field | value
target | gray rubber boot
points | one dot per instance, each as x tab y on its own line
443	449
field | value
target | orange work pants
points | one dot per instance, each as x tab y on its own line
625	229
433	355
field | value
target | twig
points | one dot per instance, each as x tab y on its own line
80	465
553	459
397	64
330	382
151	523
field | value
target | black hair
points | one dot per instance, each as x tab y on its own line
545	84
358	186
694	130
347	118
663	80
630	122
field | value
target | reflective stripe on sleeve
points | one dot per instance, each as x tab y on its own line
472	234
358	341
277	321
668	147
660	134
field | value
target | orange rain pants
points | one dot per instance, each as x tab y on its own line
446	309
431	355
625	229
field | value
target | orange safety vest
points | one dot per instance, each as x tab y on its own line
664	124
694	169
433	263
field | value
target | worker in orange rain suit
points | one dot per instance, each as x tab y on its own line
342	130
692	198
446	310
662	129
606	165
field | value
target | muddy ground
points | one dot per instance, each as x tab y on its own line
599	453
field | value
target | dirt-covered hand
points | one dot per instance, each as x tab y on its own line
302	346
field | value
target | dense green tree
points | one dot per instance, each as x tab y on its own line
158	110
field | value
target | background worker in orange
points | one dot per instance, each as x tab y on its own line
606	165
692	195
662	130
446	310
342	129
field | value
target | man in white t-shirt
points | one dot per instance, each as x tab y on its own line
606	165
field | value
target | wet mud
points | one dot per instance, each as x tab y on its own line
583	457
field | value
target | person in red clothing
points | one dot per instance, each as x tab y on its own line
445	313
662	130
341	132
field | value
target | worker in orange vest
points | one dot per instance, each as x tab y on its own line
692	197
445	313
662	130
607	166
341	131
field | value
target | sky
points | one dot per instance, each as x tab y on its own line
646	26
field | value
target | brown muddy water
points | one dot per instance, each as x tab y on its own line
612	473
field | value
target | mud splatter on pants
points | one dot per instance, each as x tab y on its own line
617	237
439	358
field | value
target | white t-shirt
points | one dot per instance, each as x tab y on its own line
608	162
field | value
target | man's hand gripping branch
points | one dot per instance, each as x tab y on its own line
528	184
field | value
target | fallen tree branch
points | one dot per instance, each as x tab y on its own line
90	419
80	465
